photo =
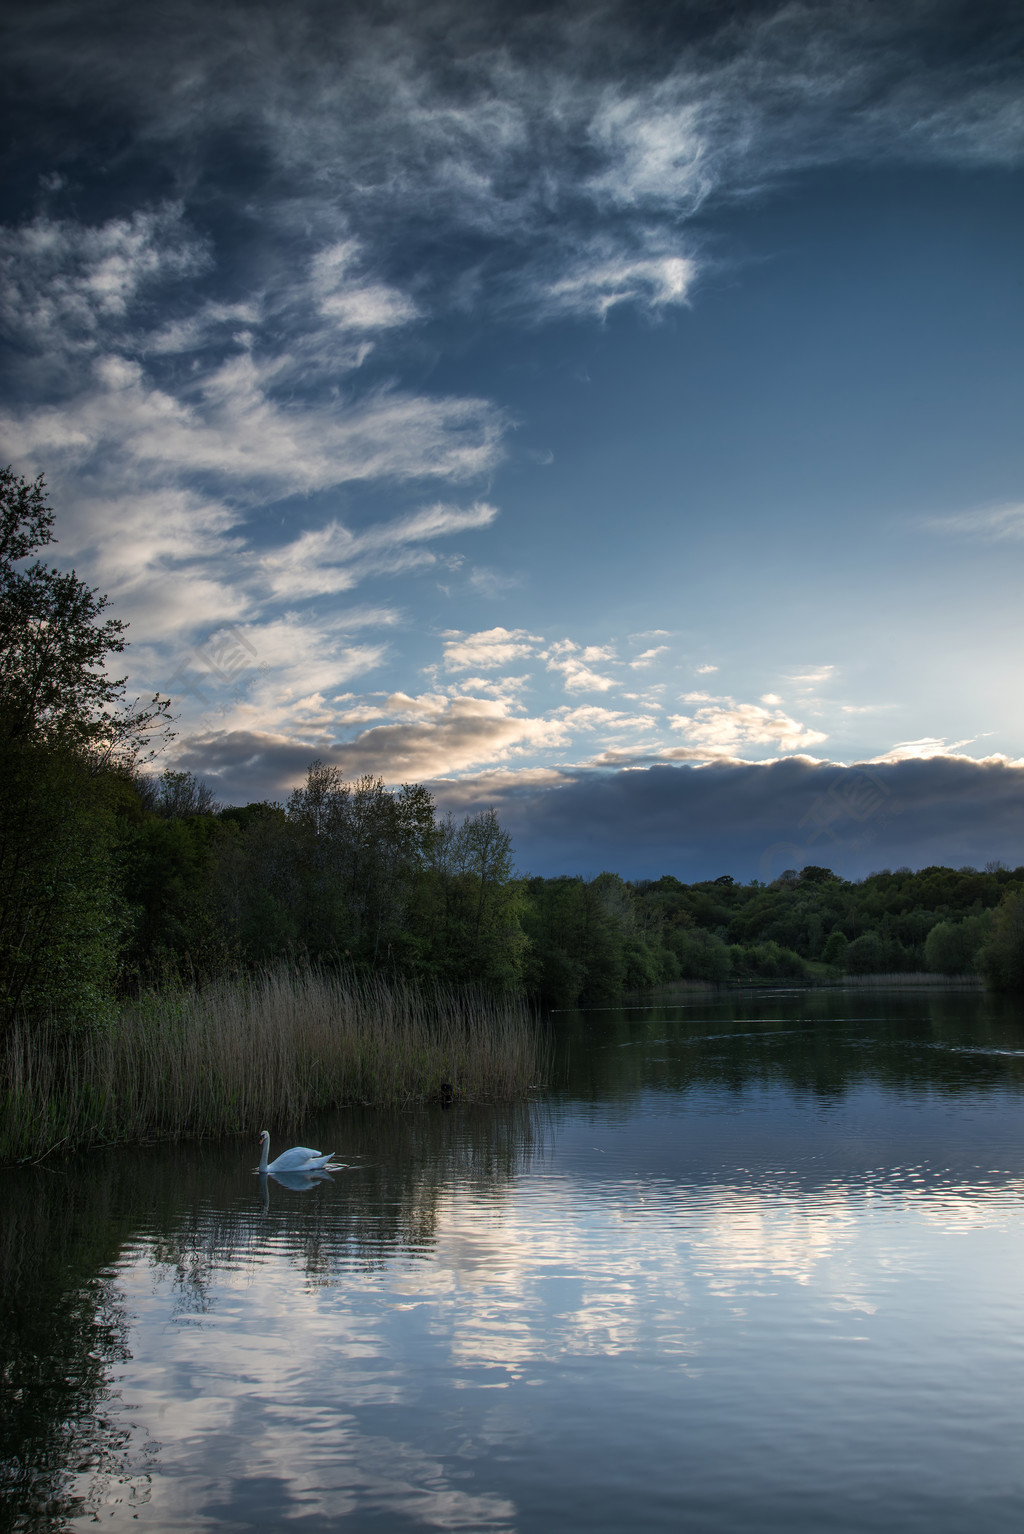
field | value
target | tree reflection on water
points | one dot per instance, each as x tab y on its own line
193	1208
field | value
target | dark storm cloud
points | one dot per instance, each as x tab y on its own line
245	767
753	821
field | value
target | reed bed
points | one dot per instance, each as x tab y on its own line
910	978
231	1056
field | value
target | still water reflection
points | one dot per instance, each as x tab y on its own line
752	1263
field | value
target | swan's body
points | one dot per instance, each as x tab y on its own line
299	1159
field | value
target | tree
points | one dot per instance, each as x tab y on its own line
55	642
865	955
470	907
836	945
359	849
68	742
1002	958
59	912
182	793
951	947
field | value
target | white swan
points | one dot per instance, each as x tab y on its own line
299	1159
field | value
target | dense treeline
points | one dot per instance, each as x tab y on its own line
590	940
355	875
373	879
115	880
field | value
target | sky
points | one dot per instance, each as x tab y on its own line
608	413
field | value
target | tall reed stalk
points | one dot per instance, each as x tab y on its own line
232	1055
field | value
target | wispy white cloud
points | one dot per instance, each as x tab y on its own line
509	687
601	278
921	750
127	440
609	127
351	301
329	559
492	583
811	676
292	672
648	657
171	399
989	523
210	324
232	427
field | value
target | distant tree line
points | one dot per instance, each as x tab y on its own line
593	939
115	879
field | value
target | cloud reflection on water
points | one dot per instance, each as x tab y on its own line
283	1384
498	1303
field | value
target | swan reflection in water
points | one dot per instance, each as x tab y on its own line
298	1182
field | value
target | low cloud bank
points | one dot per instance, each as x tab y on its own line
753	821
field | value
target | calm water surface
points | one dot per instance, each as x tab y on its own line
752	1263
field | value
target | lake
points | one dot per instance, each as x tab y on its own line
751	1262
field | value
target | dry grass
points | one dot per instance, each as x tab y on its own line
230	1056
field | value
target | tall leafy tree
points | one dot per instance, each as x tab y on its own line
55	642
68	737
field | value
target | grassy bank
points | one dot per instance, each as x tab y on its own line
236	1056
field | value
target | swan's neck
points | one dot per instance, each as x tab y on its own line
266	1153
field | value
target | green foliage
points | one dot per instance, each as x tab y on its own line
834	951
584	944
350	874
59	912
767	961
952	947
717	929
1002	957
703	956
182	793
55	643
68	744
